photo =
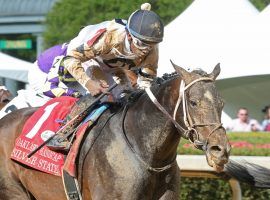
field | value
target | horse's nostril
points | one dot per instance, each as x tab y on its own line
217	150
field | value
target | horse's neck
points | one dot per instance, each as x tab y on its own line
152	133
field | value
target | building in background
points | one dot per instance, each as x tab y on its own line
24	17
21	19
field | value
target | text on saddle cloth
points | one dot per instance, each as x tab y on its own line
40	126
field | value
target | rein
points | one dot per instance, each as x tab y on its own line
190	131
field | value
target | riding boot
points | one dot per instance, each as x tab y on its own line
61	141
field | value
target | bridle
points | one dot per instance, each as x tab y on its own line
187	132
190	129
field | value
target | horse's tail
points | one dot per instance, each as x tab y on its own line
249	173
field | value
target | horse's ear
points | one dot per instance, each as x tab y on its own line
182	72
215	72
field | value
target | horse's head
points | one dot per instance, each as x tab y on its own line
202	107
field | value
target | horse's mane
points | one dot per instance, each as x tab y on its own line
168	77
165	78
156	83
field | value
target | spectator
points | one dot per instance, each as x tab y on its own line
266	121
243	123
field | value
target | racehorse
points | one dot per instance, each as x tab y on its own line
130	153
5	96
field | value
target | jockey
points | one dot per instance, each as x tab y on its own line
100	54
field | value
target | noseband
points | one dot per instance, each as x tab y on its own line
190	131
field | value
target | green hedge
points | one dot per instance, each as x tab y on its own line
217	189
245	144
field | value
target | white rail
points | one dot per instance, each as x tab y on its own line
198	162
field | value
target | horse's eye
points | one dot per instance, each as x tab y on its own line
193	103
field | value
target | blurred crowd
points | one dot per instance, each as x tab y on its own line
244	123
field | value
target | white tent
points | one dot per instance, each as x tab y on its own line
261	28
205	34
266	12
14	68
251	90
222	31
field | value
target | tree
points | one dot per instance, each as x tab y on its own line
68	16
260	4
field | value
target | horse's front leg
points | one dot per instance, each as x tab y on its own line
170	195
173	187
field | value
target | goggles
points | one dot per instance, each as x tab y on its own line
140	44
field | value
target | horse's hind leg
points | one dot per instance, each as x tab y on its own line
12	190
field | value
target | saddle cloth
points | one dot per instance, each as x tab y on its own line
39	127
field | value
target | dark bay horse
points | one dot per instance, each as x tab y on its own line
130	155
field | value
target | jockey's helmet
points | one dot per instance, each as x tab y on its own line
146	26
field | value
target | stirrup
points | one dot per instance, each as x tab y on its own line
56	145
